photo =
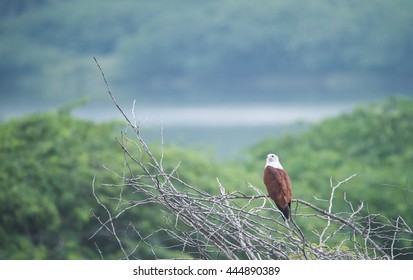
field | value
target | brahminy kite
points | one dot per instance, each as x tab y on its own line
278	185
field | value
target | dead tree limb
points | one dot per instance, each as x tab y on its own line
234	225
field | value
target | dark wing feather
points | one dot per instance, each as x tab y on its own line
279	188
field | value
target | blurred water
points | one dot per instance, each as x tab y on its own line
217	116
225	132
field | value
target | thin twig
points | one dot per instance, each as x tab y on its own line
235	225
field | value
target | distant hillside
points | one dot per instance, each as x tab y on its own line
205	51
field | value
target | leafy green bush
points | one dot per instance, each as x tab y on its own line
47	165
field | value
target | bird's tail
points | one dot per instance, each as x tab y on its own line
285	213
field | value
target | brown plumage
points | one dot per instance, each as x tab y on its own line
278	185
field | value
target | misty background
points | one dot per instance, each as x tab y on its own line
212	73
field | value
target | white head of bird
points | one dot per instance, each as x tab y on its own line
273	161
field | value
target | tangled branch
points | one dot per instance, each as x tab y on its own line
233	225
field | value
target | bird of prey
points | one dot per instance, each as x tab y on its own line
278	185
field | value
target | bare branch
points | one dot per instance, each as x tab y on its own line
234	225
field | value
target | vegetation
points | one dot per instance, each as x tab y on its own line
206	50
49	162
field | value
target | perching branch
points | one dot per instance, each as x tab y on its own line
234	225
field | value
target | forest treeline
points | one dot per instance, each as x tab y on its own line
48	162
206	50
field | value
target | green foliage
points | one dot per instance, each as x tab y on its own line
48	162
374	142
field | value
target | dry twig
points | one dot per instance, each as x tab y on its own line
234	225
